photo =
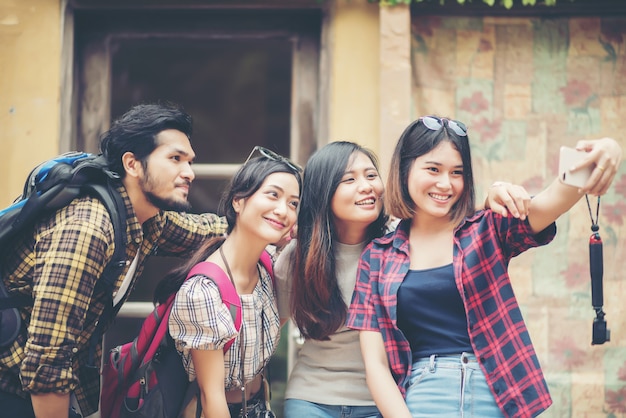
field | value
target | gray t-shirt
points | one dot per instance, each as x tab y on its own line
326	372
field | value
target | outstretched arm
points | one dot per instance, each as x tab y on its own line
605	155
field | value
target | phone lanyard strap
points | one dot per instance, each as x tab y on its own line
594	223
600	332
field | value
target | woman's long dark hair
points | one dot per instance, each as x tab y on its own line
317	306
244	184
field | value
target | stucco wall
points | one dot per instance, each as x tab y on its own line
30	54
354	72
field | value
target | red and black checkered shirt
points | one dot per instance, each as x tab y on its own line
483	246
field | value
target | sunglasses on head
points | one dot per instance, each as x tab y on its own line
274	157
434	124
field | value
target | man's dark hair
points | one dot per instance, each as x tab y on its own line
136	131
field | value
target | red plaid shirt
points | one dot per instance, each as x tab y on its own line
483	246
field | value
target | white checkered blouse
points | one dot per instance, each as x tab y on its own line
200	320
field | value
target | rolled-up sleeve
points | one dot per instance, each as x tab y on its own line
70	257
183	233
362	311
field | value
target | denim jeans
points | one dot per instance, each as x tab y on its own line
450	387
297	408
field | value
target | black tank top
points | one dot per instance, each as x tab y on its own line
431	313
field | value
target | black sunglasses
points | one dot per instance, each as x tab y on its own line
434	124
274	157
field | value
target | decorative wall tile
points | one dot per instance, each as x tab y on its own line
524	87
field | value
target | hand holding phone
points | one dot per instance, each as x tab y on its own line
570	157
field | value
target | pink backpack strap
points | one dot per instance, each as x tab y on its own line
266	261
226	288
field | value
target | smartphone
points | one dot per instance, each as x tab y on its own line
568	158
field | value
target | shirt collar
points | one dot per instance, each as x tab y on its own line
399	238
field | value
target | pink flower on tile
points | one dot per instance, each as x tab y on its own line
575	92
621	374
568	353
425	25
614	213
616	400
475	104
576	274
533	185
484	45
487	130
620	186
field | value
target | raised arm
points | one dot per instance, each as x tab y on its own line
605	155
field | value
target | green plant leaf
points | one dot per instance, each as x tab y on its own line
489	2
507	3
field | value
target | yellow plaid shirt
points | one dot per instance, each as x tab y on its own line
58	263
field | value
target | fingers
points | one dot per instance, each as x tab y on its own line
509	197
520	201
600	180
605	155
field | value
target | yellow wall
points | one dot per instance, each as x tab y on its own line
30	62
30	56
353	43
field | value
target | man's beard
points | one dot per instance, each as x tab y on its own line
167	204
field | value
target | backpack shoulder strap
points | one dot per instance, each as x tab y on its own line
229	294
113	202
116	207
227	291
266	261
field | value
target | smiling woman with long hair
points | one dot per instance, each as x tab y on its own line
340	213
260	206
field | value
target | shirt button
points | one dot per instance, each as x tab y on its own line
74	350
127	262
138	240
114	294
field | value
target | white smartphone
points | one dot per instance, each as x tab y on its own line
568	158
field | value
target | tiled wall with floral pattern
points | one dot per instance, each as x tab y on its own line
524	87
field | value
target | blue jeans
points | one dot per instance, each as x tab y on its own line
451	387
297	408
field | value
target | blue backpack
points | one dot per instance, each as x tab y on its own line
50	186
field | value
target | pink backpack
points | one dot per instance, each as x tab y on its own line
146	378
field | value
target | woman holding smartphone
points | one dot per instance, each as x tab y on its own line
340	213
440	329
